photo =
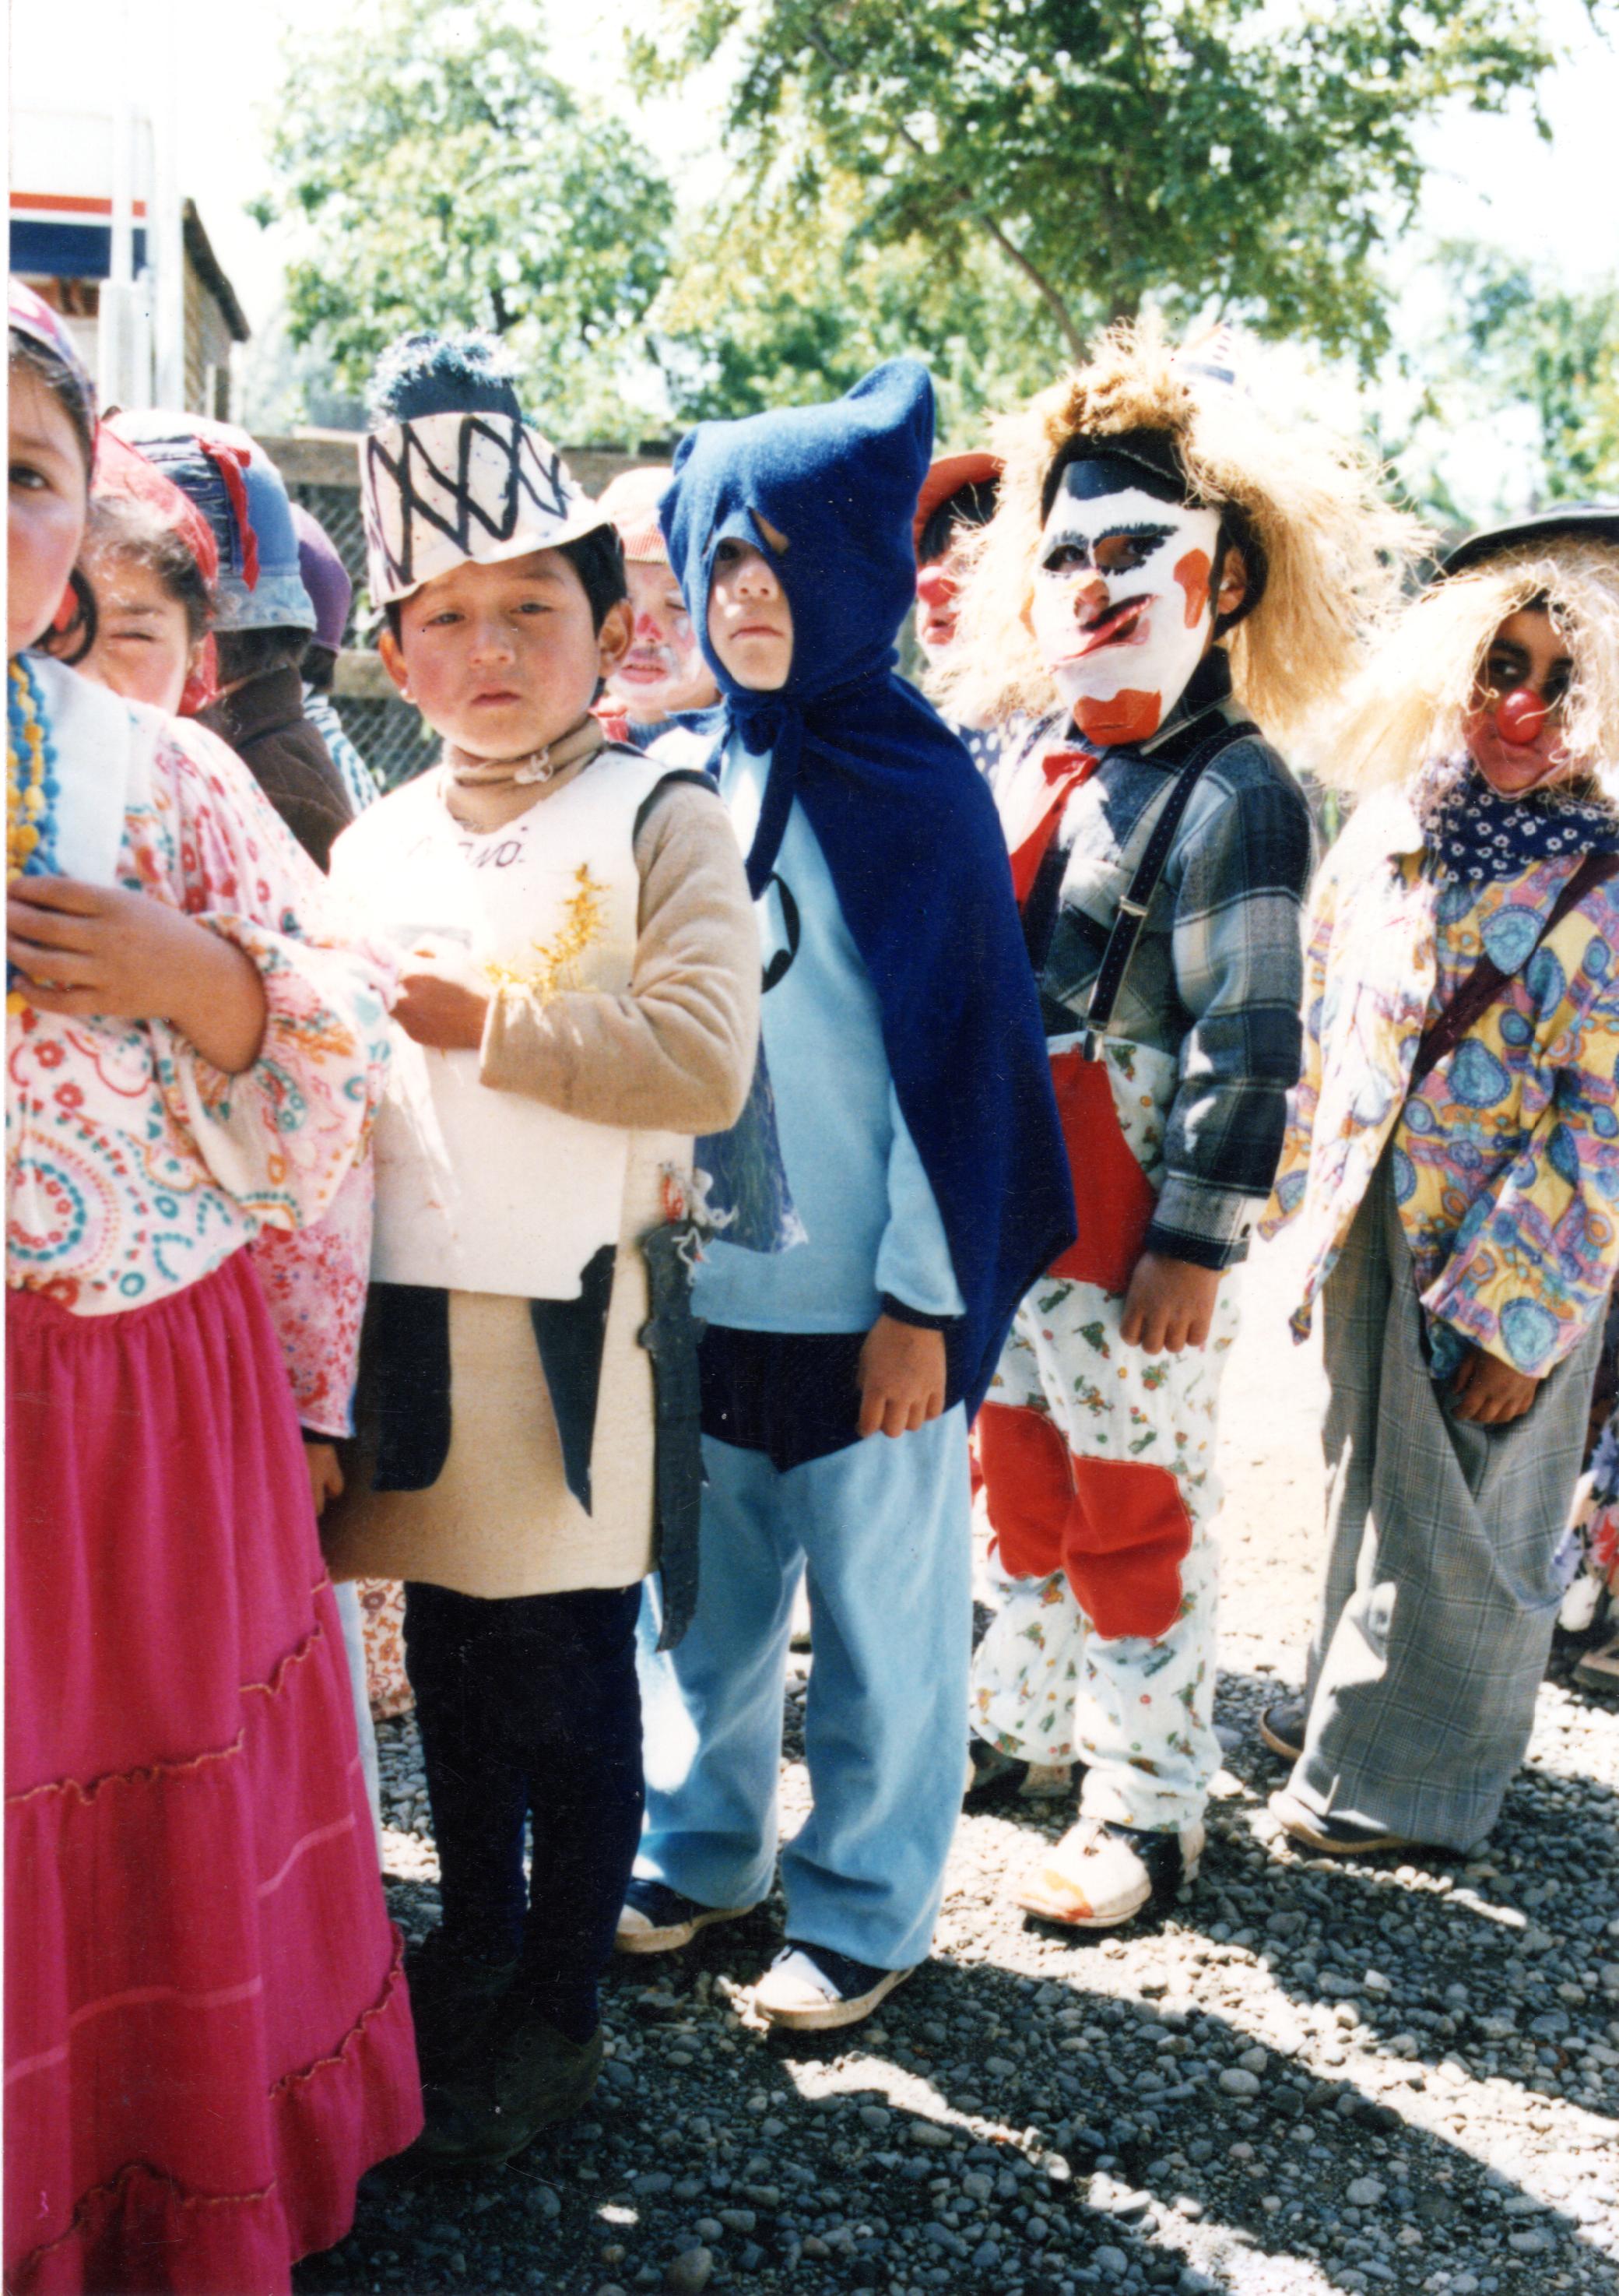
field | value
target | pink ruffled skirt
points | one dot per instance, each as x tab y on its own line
208	2037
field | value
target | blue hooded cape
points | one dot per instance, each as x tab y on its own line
908	827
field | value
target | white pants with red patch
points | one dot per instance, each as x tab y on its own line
1099	1469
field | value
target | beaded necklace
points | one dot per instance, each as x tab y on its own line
31	786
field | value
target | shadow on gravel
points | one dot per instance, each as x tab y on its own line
1038	2113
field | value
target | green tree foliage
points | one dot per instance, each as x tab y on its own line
1229	156
442	177
1556	350
778	306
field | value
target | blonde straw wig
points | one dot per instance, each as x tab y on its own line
1412	700
1335	550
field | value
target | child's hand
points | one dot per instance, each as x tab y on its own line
1490	1392
94	952
325	1475
1169	1304
437	1006
902	1377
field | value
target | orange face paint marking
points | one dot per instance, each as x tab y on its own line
1131	716
1192	573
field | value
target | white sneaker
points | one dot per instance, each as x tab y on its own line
1102	1873
810	1990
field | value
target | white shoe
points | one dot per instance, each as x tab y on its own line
1102	1873
812	1990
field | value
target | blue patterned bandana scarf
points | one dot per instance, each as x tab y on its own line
1473	833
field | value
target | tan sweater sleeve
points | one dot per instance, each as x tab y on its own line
675	1052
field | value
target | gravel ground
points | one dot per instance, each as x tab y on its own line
1311	2076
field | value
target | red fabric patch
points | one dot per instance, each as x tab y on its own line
1113	1198
1127	1535
1117	1529
1029	1485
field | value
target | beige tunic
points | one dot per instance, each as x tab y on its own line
671	1057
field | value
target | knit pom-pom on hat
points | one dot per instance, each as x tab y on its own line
451	471
1334	550
465	373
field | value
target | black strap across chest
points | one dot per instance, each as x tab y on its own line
1485	982
1133	909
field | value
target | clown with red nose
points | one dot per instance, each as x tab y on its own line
1123	603
1453	1160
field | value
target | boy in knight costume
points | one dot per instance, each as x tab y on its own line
838	1374
1176	567
579	998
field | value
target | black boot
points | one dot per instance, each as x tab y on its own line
454	1998
532	2076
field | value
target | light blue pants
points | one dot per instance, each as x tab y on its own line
884	1530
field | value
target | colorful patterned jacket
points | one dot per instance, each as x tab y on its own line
1506	1157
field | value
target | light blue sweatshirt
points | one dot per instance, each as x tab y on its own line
868	1210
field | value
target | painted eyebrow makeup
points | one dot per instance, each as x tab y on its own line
1150	534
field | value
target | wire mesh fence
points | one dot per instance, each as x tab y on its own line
391	737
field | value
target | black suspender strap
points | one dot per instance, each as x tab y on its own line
1133	909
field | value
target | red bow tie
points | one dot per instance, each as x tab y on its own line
1064	771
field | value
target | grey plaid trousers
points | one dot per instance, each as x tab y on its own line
1440	1596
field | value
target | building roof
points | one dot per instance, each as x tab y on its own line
206	264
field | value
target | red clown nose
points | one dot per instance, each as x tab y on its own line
1520	717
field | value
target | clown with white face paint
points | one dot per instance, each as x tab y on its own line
660	693
1160	851
1124	605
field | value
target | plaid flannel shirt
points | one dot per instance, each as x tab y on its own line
1217	977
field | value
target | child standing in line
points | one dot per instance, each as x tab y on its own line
325	577
151	557
262	617
580	997
206	2030
922	1150
958	498
1166	558
1454	1155
662	691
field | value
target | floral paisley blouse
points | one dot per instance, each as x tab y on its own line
1506	1157
133	1167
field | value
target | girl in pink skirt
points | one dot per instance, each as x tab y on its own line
207	2039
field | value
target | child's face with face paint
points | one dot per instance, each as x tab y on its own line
1516	729
1123	608
663	669
750	624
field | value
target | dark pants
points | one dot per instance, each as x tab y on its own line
529	1709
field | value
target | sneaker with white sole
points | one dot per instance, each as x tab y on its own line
1283	1727
656	1918
811	1988
1332	1836
1102	1874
